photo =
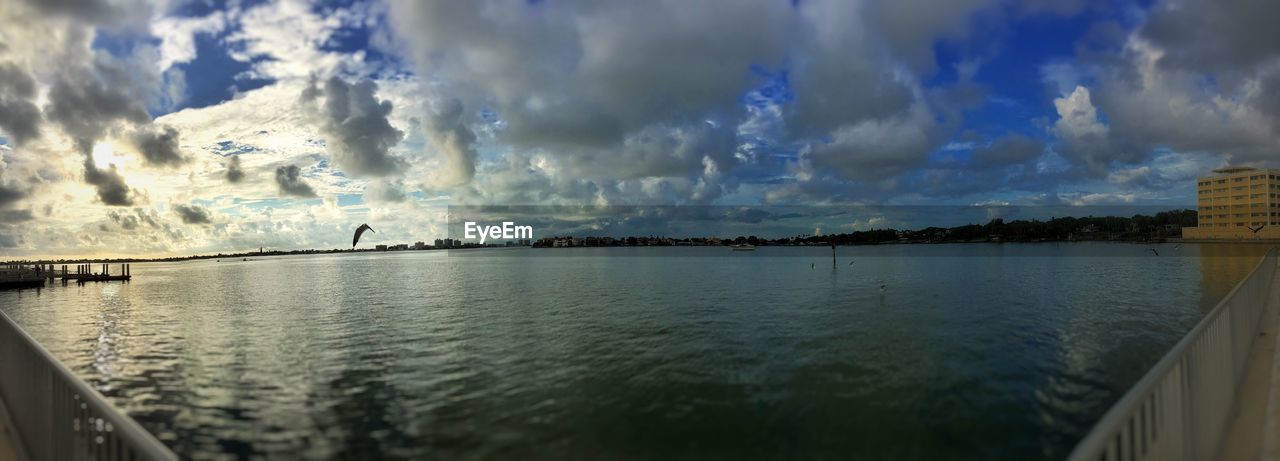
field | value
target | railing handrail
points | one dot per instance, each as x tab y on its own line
1123	411
143	443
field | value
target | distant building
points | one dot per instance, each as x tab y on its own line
1239	203
400	247
439	243
419	245
380	247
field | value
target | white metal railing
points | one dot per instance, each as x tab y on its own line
56	415
1179	409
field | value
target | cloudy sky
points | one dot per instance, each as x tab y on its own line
178	127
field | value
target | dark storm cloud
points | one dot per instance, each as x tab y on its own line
15	216
193	214
1219	35
1198	76
1005	163
593	84
113	14
84	9
913	27
111	187
1008	150
89	100
880	149
587	82
10	195
19	117
289	179
136	220
9	237
159	145
125	221
660	151
586	74
1268	99
355	126
234	174
453	140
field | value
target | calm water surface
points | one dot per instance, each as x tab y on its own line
970	352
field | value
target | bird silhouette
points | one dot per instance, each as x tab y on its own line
1153	250
1258	229
360	231
850	263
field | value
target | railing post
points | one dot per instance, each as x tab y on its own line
57	415
1192	389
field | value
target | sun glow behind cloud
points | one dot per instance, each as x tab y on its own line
104	155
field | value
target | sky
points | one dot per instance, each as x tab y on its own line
134	128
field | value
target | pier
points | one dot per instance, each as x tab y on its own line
16	276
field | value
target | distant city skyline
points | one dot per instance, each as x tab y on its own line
135	128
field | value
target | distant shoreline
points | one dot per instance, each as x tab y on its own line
255	254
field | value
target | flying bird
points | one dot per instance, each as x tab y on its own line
1258	229
1153	250
360	231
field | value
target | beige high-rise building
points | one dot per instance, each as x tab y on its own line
1238	203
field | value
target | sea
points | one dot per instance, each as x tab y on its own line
949	351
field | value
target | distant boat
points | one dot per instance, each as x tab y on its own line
743	247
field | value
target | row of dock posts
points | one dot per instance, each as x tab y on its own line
35	276
84	273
